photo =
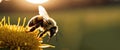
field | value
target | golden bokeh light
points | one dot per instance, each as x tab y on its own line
37	1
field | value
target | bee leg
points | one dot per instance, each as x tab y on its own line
48	39
35	27
39	33
42	33
32	29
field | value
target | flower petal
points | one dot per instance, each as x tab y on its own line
46	46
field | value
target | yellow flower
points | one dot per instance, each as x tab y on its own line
15	37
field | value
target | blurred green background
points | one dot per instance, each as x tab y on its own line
81	28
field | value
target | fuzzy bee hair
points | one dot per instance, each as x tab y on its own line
47	25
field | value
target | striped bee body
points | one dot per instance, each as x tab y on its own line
35	22
48	25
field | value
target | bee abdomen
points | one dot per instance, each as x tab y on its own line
52	31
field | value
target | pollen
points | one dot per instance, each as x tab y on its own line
15	36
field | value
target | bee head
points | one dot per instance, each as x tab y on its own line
34	20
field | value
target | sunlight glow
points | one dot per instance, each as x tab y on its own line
0	1
37	1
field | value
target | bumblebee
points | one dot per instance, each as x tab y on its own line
44	25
